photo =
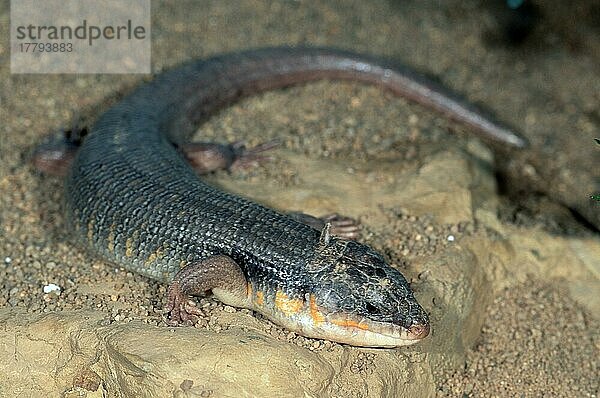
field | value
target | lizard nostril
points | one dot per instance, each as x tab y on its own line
419	331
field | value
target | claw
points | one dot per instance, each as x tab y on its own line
56	154
179	310
245	158
206	157
343	226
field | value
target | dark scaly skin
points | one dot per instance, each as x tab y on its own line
134	200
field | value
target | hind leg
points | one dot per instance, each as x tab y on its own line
206	157
56	154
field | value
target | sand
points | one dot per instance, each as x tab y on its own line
537	341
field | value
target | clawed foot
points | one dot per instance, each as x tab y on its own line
207	157
245	158
342	226
180	310
55	155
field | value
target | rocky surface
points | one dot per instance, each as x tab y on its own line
512	287
235	354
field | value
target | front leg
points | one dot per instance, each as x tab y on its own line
218	273
342	226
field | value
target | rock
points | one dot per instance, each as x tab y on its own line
440	187
71	353
62	353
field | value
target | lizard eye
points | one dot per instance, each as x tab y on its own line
371	309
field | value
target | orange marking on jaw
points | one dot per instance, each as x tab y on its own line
260	298
287	305
350	323
315	314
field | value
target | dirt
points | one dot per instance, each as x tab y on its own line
548	87
536	341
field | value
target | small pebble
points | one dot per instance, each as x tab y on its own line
51	288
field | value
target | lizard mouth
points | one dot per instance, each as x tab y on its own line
307	319
345	329
348	329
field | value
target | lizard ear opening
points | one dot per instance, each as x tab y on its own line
325	235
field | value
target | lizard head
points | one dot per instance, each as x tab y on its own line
348	294
360	300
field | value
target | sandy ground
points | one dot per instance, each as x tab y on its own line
556	356
548	87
